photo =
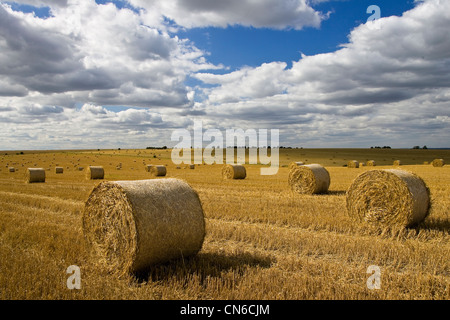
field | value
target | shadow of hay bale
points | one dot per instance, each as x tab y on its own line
204	265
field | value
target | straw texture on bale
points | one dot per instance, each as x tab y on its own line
293	165
234	171
388	198
309	179
158	171
35	175
397	163
438	163
353	164
132	225
371	163
95	173
59	170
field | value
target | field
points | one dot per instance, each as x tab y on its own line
262	241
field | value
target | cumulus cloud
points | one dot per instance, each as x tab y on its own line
94	53
275	14
390	79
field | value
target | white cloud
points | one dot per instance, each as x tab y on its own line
93	53
275	14
385	81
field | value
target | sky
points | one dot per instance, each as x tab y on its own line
83	74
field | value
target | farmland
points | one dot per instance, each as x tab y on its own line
262	241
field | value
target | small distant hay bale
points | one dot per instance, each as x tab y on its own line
59	170
95	173
35	175
132	225
353	164
234	171
80	168
438	163
192	166
388	198
158	171
295	164
148	167
397	163
371	163
309	179
178	168
12	169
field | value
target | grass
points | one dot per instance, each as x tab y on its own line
263	242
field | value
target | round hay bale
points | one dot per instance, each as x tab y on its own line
438	163
397	163
59	170
35	175
148	167
12	169
309	179
158	171
132	225
234	171
80	168
353	164
95	173
192	166
389	198
371	163
293	165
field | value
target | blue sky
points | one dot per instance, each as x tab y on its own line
237	46
86	73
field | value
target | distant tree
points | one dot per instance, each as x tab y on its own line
425	147
416	147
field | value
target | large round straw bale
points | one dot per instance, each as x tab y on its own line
397	163
295	164
353	164
158	171
95	173
132	225
35	175
388	197
59	170
371	163
234	171
438	163
309	179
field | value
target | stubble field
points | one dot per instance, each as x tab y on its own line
262	241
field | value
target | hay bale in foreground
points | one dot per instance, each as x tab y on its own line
296	164
353	164
309	179
388	198
371	163
158	171
59	170
95	173
35	175
438	163
397	163
132	225
234	171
